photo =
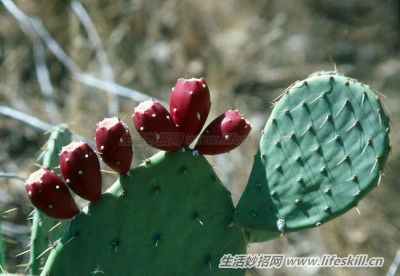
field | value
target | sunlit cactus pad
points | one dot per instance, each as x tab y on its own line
169	216
322	150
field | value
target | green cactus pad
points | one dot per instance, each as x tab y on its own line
169	216
44	229
322	150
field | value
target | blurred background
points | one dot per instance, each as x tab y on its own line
248	52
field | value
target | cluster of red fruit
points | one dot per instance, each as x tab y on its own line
189	107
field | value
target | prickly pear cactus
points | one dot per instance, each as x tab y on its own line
322	150
47	230
169	216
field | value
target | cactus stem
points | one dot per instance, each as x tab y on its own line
346	102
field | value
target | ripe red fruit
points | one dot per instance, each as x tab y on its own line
189	107
80	168
155	125
223	134
49	194
114	144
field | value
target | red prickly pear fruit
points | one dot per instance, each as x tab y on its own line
223	134
114	144
155	125
189	107
80	168
49	194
